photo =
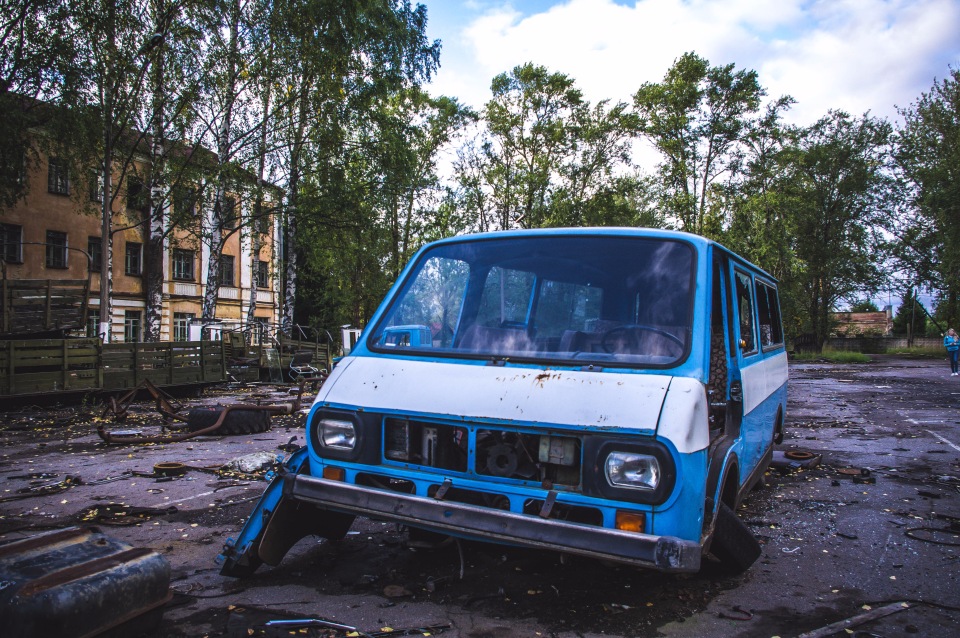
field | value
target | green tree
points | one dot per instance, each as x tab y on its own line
411	129
864	305
546	157
911	316
839	185
928	154
41	64
698	117
590	191
760	223
342	72
528	120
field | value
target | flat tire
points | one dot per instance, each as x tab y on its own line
734	545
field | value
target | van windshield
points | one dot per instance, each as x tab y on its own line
575	299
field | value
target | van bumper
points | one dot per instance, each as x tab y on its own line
663	553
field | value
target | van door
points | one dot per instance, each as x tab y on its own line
748	356
723	382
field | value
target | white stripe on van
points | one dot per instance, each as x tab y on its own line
521	395
762	379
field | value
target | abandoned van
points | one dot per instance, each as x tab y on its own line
609	393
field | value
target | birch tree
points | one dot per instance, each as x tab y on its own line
697	118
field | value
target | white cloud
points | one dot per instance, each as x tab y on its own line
856	55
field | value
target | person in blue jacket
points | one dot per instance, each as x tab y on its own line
952	343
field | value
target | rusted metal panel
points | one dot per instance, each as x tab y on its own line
79	582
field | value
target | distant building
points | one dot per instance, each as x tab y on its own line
857	324
61	211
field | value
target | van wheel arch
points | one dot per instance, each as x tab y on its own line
778	427
732	542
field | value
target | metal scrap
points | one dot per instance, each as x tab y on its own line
170	413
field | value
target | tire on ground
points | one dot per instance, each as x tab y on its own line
734	545
237	421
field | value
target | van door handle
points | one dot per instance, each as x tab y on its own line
736	391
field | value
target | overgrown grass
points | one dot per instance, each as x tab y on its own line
917	351
833	356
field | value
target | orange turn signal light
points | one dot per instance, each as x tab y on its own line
631	521
334	473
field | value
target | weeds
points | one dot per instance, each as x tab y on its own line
833	356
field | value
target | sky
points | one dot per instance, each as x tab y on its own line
854	55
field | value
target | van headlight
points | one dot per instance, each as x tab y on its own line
337	434
632	470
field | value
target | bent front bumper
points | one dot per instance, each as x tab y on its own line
664	553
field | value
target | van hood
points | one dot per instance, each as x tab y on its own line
466	392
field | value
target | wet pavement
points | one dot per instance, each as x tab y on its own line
870	526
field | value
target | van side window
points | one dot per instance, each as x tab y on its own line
768	310
745	308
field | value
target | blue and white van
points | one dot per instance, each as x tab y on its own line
610	393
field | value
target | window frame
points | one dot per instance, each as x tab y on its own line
223	269
127	262
755	346
58	176
95	189
137	196
186	202
58	259
263	274
132	322
7	243
229	218
772	300
181	325
178	259
95	250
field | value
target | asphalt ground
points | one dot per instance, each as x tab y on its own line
869	526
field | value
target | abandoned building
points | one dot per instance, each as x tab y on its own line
54	233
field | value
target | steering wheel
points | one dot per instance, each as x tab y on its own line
632	336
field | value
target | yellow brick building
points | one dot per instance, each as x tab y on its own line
60	213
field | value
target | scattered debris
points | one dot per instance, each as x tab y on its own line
736	613
252	463
80	582
953	532
235	418
794	460
120	514
856	621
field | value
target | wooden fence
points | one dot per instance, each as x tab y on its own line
37	305
126	365
57	365
49	365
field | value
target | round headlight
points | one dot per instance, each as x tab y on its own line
629	469
338	434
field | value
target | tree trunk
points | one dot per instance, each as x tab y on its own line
155	225
290	233
257	222
215	234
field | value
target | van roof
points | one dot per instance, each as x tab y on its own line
613	231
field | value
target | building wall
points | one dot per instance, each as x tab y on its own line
77	216
862	323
